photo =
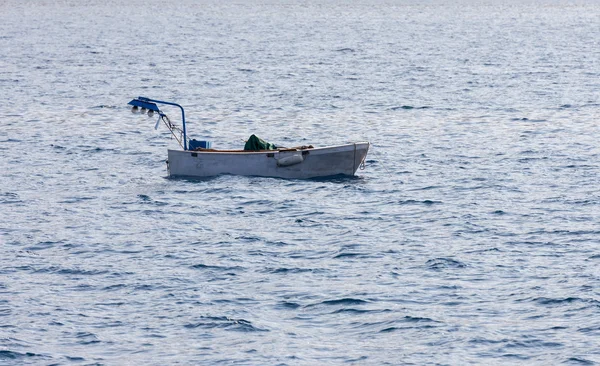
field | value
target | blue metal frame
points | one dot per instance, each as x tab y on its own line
148	103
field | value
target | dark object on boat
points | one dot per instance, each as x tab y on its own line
197	145
255	143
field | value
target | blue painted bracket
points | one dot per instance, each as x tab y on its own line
150	104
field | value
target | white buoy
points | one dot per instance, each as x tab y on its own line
290	160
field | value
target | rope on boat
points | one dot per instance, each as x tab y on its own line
375	152
173	128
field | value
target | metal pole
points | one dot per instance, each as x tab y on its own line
182	115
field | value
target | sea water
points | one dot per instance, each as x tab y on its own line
471	237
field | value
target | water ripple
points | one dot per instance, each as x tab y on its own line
471	232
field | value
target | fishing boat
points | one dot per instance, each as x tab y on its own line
197	159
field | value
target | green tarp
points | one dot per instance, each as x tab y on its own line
255	143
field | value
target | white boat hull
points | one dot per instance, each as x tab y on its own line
292	164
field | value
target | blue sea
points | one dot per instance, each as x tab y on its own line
472	236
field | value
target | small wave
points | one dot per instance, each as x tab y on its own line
360	311
515	356
533	343
288	305
443	263
215	268
580	166
9	197
45	245
412	323
525	119
75	358
578	361
68	271
248	238
81	272
144	197
418	319
426	188
547	301
415	202
569	232
408	107
351	311
357	360
277	243
117	303
91	149
351	255
75	199
290	270
344	301
593	329
86	338
346	50
117	286
488	341
223	322
494	249
12	355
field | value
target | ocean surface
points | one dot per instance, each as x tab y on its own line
472	236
